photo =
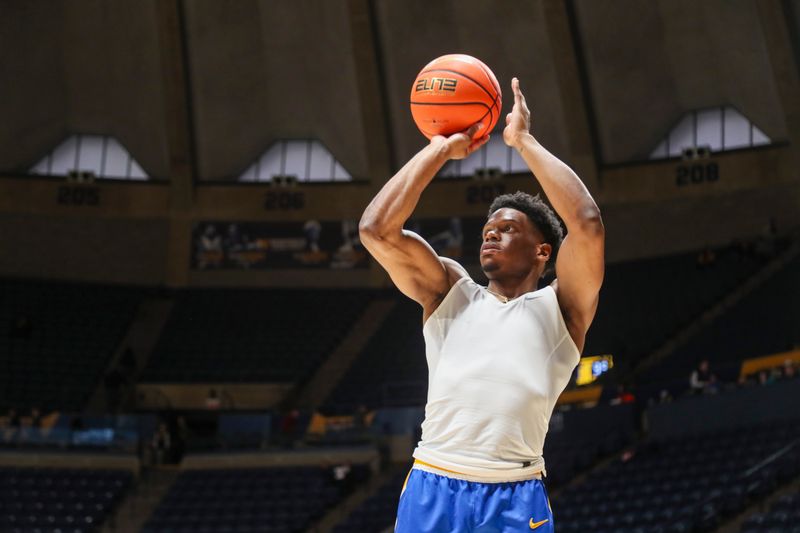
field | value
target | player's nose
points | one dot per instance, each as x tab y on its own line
491	235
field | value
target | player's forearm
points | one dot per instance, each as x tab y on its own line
565	190
396	201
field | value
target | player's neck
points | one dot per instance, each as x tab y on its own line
509	289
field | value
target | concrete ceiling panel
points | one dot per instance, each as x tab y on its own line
268	70
649	63
510	36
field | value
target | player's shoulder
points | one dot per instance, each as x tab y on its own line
456	275
455	271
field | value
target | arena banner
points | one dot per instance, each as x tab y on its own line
310	244
318	244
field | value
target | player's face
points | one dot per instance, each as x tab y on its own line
511	244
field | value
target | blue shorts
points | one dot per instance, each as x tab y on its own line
432	503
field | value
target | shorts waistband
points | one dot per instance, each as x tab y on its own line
433	469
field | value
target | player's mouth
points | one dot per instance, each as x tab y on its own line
490	248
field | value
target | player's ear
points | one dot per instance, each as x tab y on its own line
544	250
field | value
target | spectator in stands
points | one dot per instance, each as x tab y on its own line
36	418
33	425
14	419
702	380
789	371
213	402
289	427
623	396
161	444
765	246
233	239
342	477
706	258
209	248
10	425
360	417
211	240
664	396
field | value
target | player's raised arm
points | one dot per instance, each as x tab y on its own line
580	261
410	261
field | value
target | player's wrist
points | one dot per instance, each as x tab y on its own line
522	139
441	148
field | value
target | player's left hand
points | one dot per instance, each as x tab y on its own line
518	122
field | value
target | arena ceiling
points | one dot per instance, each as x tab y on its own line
215	82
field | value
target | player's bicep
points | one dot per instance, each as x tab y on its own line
580	267
412	264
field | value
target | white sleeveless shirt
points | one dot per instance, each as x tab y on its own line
495	371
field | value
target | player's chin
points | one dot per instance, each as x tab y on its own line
489	265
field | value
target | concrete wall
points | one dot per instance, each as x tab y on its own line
200	88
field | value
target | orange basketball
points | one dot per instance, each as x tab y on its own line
453	92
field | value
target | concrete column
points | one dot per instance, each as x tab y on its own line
180	142
774	21
581	139
372	98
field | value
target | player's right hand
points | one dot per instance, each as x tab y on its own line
460	145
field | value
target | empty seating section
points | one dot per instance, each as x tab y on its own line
270	500
44	499
378	512
391	370
643	302
683	485
783	516
764	322
579	438
252	335
565	460
56	340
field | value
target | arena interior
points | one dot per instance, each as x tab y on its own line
193	338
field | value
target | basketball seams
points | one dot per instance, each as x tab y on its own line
412	102
491	78
495	84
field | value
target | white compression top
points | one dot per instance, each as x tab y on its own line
495	371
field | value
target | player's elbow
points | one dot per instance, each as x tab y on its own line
371	230
589	222
367	228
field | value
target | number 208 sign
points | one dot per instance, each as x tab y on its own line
696	173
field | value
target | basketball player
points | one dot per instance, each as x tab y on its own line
498	356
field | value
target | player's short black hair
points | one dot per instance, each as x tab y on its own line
539	213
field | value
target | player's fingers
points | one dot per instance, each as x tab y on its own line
508	119
475	128
478	143
519	98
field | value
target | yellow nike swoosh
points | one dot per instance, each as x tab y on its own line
534	525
